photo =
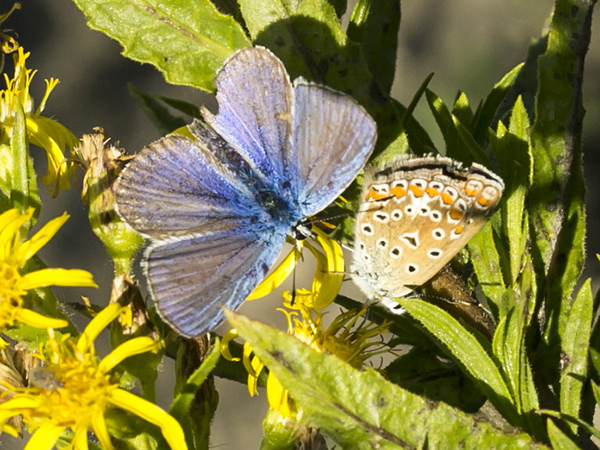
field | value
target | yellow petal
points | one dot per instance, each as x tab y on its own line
229	336
41	238
277	396
20	403
97	324
57	277
279	274
37	320
169	427
80	440
247	352
129	348
10	223
99	427
256	366
328	279
45	437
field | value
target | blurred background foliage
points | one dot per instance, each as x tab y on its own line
468	44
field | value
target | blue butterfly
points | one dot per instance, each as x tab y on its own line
217	208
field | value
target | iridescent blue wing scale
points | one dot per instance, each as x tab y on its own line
254	94
193	277
161	194
332	138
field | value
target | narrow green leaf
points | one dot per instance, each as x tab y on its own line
460	144
575	346
556	199
574	420
24	192
486	263
187	41
374	25
467	351
181	403
595	359
462	110
158	114
509	347
443	117
194	407
359	409
484	115
511	149
558	439
596	391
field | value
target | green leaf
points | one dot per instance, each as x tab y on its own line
595	359
359	409
24	191
467	351
194	407
556	199
425	374
462	110
158	114
486	263
460	144
510	349
277	434
187	41
558	439
482	120
374	25
575	346
511	149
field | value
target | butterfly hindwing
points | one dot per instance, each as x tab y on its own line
192	278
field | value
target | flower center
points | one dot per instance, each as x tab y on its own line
11	294
79	391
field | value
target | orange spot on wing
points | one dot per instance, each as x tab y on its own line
446	198
484	201
471	192
432	192
416	190
374	195
456	214
398	191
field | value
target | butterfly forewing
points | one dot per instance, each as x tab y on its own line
255	96
332	139
160	194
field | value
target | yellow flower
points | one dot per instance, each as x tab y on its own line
82	391
329	273
8	44
42	131
340	338
14	254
